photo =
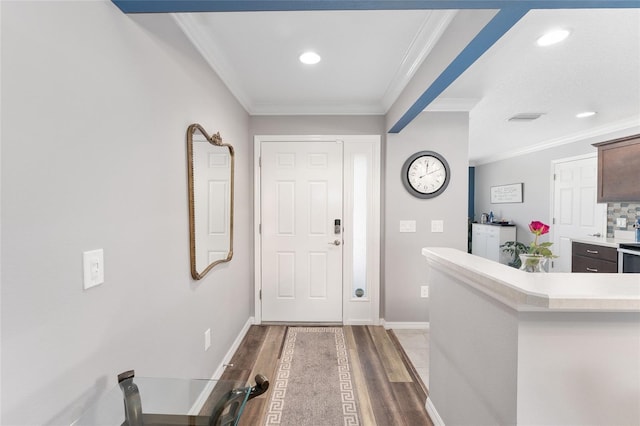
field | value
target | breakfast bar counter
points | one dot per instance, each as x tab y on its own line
510	347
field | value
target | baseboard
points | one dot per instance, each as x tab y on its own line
433	413
399	325
197	406
359	322
232	350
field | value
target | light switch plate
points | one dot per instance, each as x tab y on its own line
407	226
621	222
424	291
93	262
437	226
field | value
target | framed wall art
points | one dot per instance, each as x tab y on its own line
511	193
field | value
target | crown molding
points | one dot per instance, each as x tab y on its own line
432	28
314	109
618	126
214	55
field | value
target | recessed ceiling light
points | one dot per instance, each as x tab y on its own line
585	114
553	37
310	58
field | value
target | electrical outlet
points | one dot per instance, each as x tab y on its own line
207	339
621	222
424	291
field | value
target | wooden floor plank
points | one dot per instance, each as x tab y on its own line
421	387
411	406
367	418
254	412
221	389
247	353
377	382
267	362
387	388
391	360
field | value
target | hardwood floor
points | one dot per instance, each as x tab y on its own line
389	390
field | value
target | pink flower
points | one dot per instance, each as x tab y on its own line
538	228
542	249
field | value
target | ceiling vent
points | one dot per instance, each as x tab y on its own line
526	116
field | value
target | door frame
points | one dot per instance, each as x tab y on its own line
355	311
552	189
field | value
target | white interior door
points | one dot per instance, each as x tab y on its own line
576	213
301	197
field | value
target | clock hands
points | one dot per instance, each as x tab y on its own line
426	170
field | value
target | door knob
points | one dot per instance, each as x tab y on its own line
335	242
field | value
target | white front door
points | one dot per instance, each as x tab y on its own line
301	198
575	211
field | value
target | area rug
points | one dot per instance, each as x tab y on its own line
313	385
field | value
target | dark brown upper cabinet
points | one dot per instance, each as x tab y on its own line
619	169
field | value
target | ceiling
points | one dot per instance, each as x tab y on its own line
369	56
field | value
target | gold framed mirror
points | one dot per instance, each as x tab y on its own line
210	167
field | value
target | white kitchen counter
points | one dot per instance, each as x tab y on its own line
607	242
619	237
525	291
511	347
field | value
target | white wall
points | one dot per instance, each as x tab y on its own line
405	269
95	106
471	382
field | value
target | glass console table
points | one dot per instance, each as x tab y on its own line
147	401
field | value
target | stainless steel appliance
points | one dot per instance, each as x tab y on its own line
629	258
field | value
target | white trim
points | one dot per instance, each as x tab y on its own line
574	158
432	28
232	350
214	55
364	310
257	237
622	125
433	413
359	322
398	325
206	392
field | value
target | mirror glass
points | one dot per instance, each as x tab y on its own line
210	170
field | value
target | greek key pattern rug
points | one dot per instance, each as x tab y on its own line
313	385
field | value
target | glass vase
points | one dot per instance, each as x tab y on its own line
532	263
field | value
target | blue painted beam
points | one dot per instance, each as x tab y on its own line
496	28
175	6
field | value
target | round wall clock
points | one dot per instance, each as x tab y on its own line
425	174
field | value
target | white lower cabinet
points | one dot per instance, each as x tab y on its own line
487	239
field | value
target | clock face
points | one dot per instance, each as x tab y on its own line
425	174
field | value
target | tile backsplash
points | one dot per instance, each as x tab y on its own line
630	211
